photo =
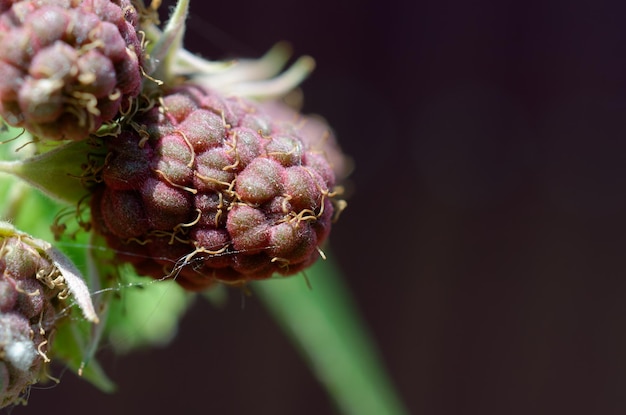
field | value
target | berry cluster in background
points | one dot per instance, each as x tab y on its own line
189	170
67	67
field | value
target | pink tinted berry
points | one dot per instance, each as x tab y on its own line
31	293
67	67
208	188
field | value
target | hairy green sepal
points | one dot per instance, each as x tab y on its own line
59	173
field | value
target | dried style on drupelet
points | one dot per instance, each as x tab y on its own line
34	296
206	188
67	66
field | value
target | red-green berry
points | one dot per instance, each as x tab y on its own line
207	188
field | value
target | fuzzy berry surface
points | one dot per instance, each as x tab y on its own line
67	66
31	293
205	188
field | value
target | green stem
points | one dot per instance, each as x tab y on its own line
326	326
17	192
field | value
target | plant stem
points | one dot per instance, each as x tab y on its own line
324	323
14	201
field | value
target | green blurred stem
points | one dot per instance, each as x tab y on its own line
326	326
14	201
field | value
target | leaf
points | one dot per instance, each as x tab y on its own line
146	313
72	344
75	283
57	173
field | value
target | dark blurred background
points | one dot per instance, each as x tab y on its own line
485	235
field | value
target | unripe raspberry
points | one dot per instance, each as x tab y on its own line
67	66
33	291
207	188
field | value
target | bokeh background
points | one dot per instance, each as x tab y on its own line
485	235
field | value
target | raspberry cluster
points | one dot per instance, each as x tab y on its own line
67	66
206	188
185	177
